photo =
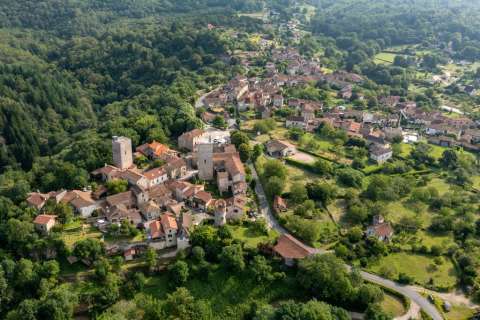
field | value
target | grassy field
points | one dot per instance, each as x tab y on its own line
406	150
437	151
298	175
393	305
420	268
476	182
256	15
249	237
439	184
384	58
397	210
458	312
73	235
428	239
337	210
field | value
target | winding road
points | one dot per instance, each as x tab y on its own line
417	301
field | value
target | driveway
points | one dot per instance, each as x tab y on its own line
406	291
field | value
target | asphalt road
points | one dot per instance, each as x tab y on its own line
273	223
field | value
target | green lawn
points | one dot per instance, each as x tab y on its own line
296	174
437	151
420	268
249	237
73	225
397	210
393	305
337	209
476	182
406	150
439	184
71	236
384	58
458	312
428	239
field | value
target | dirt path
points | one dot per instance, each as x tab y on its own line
412	313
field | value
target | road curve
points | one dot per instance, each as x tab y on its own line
273	223
423	302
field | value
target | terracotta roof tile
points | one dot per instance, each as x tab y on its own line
44	219
290	248
168	221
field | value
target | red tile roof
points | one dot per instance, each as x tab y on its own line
156	230
279	203
290	248
168	222
44	219
383	230
154	173
204	196
36	199
158	149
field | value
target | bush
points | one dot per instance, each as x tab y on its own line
405	279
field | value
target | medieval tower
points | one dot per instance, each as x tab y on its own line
220	213
205	161
122	152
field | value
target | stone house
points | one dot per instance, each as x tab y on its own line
279	204
150	210
37	200
81	201
202	200
236	207
155	150
380	229
280	148
278	100
190	139
44	223
296	122
156	176
380	153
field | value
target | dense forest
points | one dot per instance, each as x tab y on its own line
400	22
105	76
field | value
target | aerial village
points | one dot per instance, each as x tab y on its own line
161	201
167	201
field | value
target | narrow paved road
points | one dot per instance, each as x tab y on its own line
199	101
408	292
265	210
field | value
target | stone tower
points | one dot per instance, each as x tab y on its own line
122	152
205	161
220	213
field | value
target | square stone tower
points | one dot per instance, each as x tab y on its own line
122	152
205	161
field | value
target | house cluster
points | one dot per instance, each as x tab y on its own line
159	200
378	130
264	95
439	128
